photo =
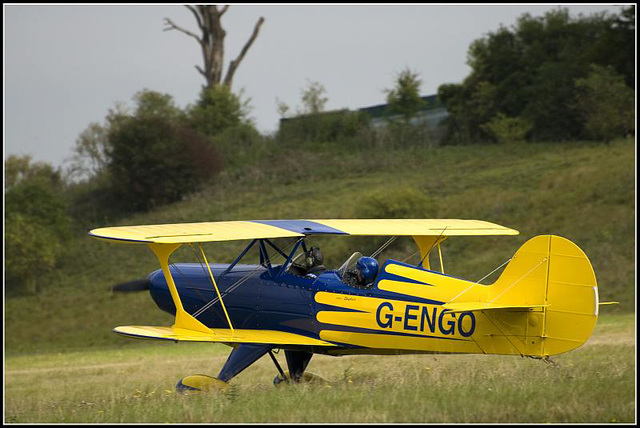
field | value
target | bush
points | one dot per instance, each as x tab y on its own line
507	130
242	145
325	127
154	162
217	110
395	202
398	202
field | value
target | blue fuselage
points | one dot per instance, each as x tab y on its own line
252	297
257	299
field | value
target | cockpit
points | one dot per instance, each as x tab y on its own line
357	271
308	262
349	264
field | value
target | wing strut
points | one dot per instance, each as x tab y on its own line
213	281
183	319
441	261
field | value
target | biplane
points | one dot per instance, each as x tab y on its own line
544	302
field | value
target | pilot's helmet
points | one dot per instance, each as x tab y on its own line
368	268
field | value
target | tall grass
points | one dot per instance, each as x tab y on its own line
594	383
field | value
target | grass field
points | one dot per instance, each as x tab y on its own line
63	364
595	383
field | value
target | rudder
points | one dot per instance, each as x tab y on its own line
552	271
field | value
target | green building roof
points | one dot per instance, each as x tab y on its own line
379	110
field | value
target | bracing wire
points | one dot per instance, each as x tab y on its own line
490	273
383	247
238	282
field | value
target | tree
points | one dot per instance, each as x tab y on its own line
529	70
312	124
209	19
404	98
154	157
621	35
31	250
605	103
36	222
313	99
150	154
217	110
19	169
89	157
281	107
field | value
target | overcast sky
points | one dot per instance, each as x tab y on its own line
65	66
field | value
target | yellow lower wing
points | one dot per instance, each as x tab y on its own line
220	335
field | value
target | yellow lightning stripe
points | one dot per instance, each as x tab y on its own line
407	343
407	288
413	320
443	288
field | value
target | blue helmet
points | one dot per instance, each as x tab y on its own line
368	268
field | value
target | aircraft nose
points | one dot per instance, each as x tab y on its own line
160	293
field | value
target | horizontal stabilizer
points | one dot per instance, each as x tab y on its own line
220	335
482	306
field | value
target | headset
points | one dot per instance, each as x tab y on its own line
314	257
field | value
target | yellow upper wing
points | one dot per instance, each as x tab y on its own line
265	229
192	232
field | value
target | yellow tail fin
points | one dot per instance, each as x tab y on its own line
551	272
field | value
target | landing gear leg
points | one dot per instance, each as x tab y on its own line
240	358
297	362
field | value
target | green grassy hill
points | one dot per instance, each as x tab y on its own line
582	191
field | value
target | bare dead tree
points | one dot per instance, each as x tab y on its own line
212	43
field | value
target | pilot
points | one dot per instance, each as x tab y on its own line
365	273
314	262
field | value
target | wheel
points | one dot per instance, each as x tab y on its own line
200	383
307	377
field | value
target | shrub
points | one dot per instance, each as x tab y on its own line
395	202
325	127
154	162
387	203
242	145
218	109
506	129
